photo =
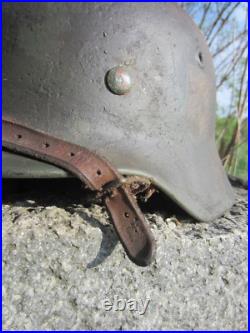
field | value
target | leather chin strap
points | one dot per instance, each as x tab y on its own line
98	175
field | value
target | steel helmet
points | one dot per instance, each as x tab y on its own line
133	82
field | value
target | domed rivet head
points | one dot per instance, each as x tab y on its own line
118	80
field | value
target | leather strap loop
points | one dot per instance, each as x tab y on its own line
97	174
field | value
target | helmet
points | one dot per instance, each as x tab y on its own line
133	82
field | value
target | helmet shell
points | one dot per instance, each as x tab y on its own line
56	60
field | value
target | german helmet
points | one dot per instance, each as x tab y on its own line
132	82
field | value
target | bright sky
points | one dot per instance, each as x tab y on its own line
224	93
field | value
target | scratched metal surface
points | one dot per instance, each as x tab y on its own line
61	260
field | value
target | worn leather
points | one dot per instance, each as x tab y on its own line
97	174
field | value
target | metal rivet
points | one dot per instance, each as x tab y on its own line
118	80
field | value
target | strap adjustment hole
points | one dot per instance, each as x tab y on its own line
19	136
126	214
98	172
46	145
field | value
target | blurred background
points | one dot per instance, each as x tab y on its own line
225	27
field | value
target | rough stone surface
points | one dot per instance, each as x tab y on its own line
61	260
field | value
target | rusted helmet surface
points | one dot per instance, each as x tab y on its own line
133	82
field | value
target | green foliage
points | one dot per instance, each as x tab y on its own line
242	165
224	131
225	126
